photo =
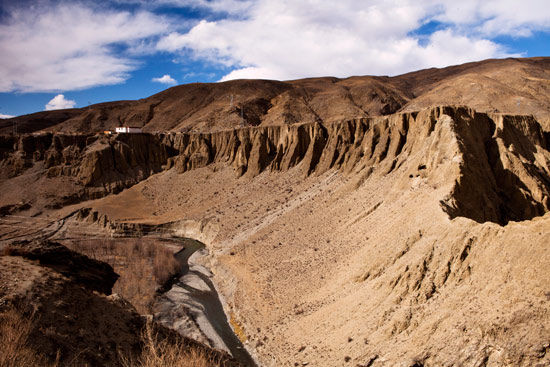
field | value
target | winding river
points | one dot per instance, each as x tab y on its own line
197	295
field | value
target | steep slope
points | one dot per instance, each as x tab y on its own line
52	170
72	317
500	171
513	86
384	241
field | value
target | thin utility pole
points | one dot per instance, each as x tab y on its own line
242	116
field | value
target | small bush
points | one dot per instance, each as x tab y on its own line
163	353
164	266
143	266
14	341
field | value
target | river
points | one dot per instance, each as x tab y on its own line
195	292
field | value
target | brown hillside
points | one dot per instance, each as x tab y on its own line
514	86
411	239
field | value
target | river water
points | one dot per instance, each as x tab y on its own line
197	295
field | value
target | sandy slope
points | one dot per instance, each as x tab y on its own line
368	265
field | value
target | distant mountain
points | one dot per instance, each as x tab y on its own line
515	86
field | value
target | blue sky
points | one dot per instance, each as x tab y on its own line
61	54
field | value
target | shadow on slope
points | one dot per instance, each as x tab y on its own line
504	175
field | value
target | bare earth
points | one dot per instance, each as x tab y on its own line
420	238
366	268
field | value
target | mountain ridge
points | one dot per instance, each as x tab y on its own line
513	86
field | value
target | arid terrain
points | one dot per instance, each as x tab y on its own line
368	221
513	86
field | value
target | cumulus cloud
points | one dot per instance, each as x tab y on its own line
496	17
2	116
59	45
279	39
165	79
68	46
59	102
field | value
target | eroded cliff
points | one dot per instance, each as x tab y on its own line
499	164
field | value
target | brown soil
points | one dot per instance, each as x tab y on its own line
69	319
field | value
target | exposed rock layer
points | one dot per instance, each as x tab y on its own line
502	162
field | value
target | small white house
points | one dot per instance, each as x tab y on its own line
127	130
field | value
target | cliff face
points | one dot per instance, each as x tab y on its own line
95	164
498	165
505	171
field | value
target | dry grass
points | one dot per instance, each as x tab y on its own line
143	266
15	350
239	331
162	353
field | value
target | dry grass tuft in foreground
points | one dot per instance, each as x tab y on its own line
163	353
143	266
15	350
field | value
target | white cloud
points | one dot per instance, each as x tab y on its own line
278	39
59	102
2	116
497	17
70	46
59	45
165	79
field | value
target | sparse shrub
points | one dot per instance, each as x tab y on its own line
164	353
143	266
15	350
164	266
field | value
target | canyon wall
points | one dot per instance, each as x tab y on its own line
499	163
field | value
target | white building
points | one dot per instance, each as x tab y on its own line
127	130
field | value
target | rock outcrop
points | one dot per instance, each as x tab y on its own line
95	165
501	162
